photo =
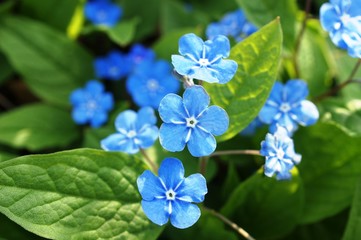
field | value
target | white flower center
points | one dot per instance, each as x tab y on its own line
152	85
170	194
345	19
203	62
131	134
102	15
285	107
280	153
113	71
191	122
91	105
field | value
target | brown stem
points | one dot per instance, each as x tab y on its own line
233	225
152	165
338	87
203	162
236	152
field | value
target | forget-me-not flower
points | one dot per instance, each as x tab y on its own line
138	54
135	131
204	60
151	82
102	12
189	121
91	104
287	106
114	66
280	154
342	19
171	196
233	24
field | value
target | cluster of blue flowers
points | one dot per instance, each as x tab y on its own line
103	12
342	19
233	24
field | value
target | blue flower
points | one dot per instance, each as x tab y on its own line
114	66
204	60
280	154
138	54
252	127
151	82
287	106
91	104
135	131
171	196
102	12
233	24
189	121
342	19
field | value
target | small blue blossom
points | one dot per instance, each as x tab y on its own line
171	196
233	24
91	104
189	121
252	127
342	19
114	66
135	131
102	12
287	107
204	60
138	54
280	154
151	82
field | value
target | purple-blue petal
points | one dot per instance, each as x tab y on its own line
268	113
171	172
150	186
295	91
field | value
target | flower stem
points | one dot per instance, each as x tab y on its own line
203	161
152	165
236	152
233	225
299	37
340	86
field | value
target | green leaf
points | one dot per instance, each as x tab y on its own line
37	127
52	12
258	58
4	156
353	230
5	69
78	194
265	207
330	167
52	65
260	12
123	33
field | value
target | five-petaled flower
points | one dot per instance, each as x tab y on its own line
280	154
91	104
171	196
342	19
189	121
204	60
135	131
150	82
102	12
139	54
113	66
287	107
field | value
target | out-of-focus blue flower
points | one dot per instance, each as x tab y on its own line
204	60
171	196
280	154
342	19
91	104
138	54
102	12
252	127
189	121
135	131
114	66
150	82
287	107
233	24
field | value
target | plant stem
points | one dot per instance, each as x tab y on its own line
299	37
233	225
203	161
236	152
152	165
338	87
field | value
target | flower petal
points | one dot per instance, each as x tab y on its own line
223	70
172	136
125	121
195	100
145	116
94	87
171	109
268	113
119	142
276	95
191	45
99	118
156	211
201	143
218	47
80	115
215	120
287	122
171	172
150	186
205	74
184	65
306	113
295	91
147	137
78	96
192	189
328	17
184	214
